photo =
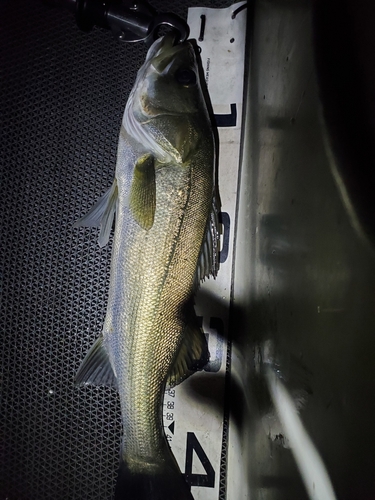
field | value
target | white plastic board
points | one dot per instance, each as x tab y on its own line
195	412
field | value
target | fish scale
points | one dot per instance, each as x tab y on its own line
142	334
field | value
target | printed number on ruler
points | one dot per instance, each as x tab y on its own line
207	480
224	220
168	414
216	357
227	120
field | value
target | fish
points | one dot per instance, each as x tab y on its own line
165	203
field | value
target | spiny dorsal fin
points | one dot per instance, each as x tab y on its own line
96	368
101	214
142	200
192	356
208	263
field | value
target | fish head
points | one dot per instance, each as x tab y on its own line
166	110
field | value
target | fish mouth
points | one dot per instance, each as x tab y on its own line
164	53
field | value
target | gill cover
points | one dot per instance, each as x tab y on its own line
162	112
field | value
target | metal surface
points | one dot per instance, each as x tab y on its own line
304	280
130	21
62	93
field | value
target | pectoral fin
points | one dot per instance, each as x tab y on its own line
142	199
101	214
192	356
96	368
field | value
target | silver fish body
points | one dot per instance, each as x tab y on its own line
165	241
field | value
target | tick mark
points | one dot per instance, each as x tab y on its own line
203	26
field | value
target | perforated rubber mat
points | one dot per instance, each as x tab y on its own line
62	95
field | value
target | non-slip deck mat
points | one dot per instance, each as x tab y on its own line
62	96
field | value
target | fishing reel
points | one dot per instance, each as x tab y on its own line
129	21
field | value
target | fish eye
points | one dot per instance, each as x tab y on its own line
186	76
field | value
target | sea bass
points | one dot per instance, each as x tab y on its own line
165	243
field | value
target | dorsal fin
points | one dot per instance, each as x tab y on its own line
208	263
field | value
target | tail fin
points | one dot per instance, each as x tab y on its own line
163	482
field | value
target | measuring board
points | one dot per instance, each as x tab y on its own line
195	413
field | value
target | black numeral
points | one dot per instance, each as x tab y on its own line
208	479
214	364
229	120
224	219
216	358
